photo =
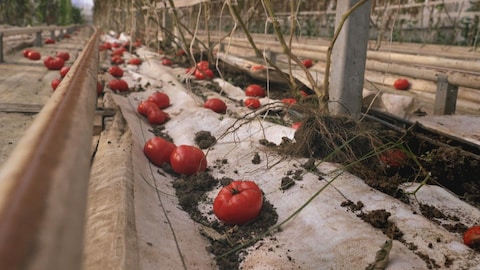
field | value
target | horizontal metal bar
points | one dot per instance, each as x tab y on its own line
43	184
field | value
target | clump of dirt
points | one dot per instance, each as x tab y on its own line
204	139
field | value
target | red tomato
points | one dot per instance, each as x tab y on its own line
296	125
115	45
215	104
203	65
34	55
203	74
118	51
137	44
117	60
26	52
107	45
135	61
54	63
252	103
307	63
64	70
254	90
238	203
394	158
145	106
180	52
188	160
49	41
160	99
401	84
289	101
64	55
167	62
156	116
257	67
471	237
115	71
118	85
99	88
158	150
190	70
55	83
66	35
303	93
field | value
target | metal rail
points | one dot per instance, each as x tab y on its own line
43	184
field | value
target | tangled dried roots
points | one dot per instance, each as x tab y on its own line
320	136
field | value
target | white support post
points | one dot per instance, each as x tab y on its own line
348	60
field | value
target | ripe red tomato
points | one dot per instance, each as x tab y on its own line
117	60
238	203
401	84
180	52
66	35
167	62
64	55
188	160
134	61
252	103
215	104
307	63
115	71
203	65
107	45
145	106
118	51
158	150
25	52
160	99
49	41
34	55
254	90
156	116
394	158
118	85
204	74
257	67
99	88
296	125
54	63
64	70
471	237
289	101
55	82
137	44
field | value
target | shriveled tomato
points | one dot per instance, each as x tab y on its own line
289	101
115	71
134	61
471	237
100	87
34	55
401	84
215	104
158	150
307	63
203	74
203	65
257	68
254	90
238	203
55	82
394	158
117	60
25	52
49	41
160	99
118	85
145	106
167	62
64	55
188	160
156	116
64	70
252	103
54	63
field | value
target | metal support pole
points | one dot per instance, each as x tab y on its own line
52	34
445	97
38	39
348	60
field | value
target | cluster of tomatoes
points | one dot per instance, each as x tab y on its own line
201	71
153	106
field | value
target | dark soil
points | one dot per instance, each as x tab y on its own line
361	145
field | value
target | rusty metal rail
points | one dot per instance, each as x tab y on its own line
43	184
